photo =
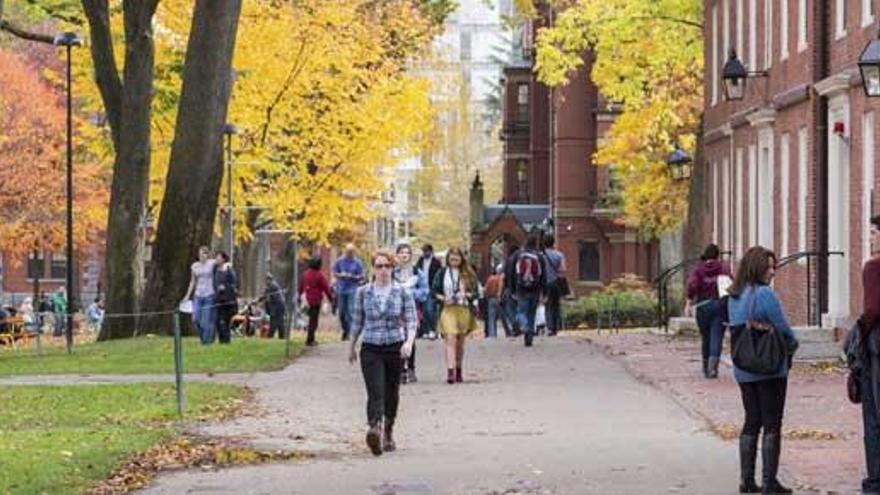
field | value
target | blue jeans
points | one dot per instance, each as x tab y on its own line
493	312
871	484
508	307
346	312
429	316
204	318
711	330
526	307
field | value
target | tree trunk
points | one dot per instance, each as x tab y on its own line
698	202
194	175
128	109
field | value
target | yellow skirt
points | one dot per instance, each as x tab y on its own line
457	320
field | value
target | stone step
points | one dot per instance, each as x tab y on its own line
683	325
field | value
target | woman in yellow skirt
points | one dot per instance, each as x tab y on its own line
456	287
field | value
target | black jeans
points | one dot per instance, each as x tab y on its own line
552	311
381	366
871	484
410	364
314	312
276	321
764	403
225	312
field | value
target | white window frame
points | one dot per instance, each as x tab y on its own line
739	28
725	204
725	28
715	212
753	35
839	19
867	12
753	195
768	34
867	181
715	74
802	26
803	188
784	184
766	189
739	203
783	29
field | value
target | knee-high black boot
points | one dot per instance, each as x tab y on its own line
770	450
748	452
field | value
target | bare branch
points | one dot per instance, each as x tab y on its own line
25	34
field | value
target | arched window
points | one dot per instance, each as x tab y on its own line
522	180
588	261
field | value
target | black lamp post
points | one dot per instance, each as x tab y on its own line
229	130
679	163
734	76
69	40
869	66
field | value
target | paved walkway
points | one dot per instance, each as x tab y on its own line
559	418
823	449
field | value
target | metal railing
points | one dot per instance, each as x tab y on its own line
813	312
662	284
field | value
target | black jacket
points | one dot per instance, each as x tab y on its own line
226	285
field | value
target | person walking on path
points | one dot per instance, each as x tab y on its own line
526	278
557	285
456	287
273	298
428	266
95	315
763	395
348	271
201	291
314	286
226	286
59	308
703	295
406	274
385	320
863	357
493	291
508	297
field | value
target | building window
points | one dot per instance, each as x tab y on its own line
739	203
739	28
588	262
840	18
715	213
725	28
768	34
522	180
802	25
783	29
867	12
36	265
753	195
522	103
715	75
725	204
802	189
766	192
58	268
753	34
465	48
785	157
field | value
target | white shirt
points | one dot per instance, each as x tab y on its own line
204	275
382	294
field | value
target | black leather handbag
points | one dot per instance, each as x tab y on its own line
757	347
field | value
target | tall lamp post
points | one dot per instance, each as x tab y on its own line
229	130
69	40
869	66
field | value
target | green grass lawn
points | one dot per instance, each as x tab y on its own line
150	355
62	440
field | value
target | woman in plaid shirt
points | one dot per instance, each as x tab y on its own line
385	319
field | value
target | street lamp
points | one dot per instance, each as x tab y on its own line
869	66
679	163
69	40
734	76
229	130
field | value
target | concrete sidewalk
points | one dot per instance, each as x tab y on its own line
823	447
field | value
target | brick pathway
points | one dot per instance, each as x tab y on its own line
823	446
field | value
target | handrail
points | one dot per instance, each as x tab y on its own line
786	260
669	272
813	311
662	292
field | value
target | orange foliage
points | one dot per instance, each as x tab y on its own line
33	166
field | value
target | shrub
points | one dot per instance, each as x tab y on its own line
627	308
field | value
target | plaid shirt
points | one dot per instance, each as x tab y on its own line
388	327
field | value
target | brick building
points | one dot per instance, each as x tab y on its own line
551	183
791	166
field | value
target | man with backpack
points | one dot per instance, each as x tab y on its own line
525	275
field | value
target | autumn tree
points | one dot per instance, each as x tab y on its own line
32	144
647	59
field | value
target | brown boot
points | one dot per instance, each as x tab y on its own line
450	376
374	440
458	377
388	444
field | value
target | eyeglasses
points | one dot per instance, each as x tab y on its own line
381	265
